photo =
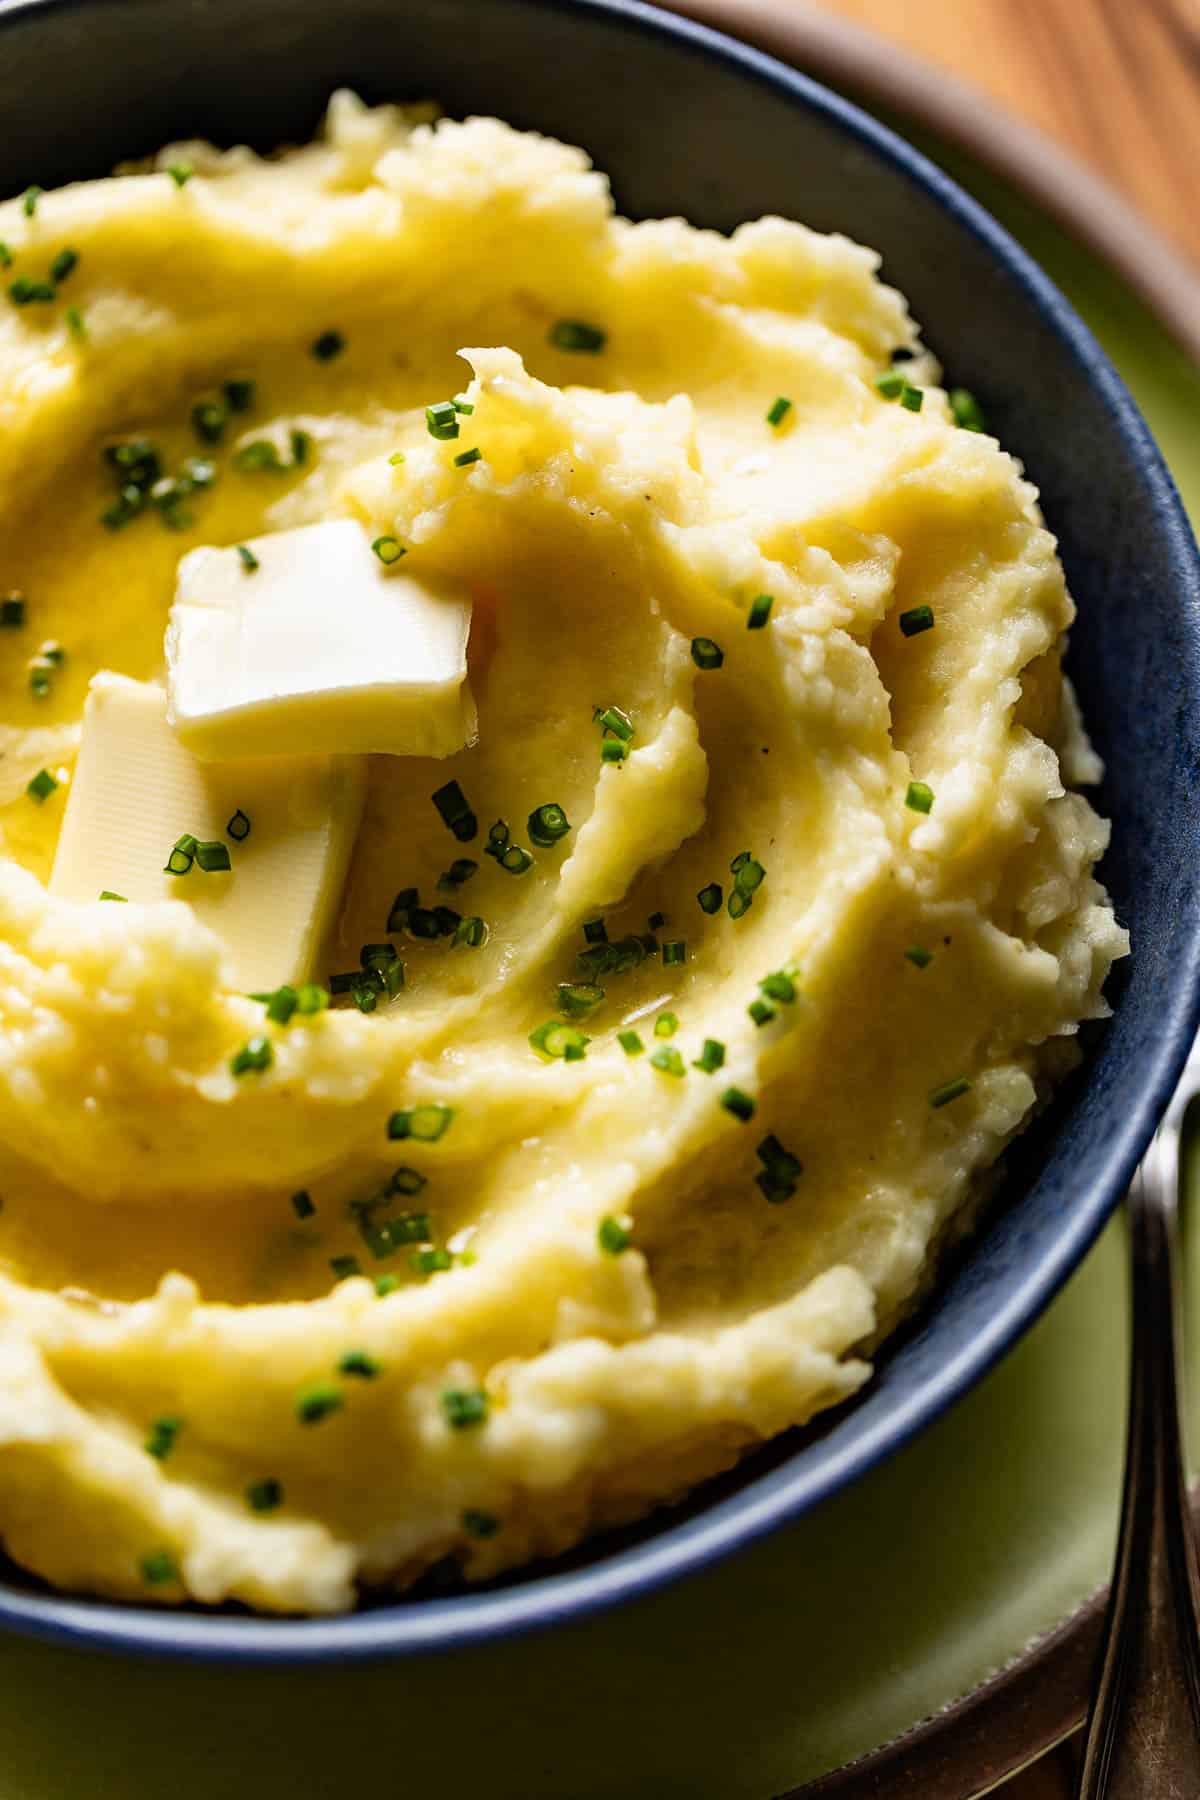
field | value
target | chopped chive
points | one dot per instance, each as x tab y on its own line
674	952
780	985
740	1104
441	420
515	860
950	1090
311	998
238	827
6	256
780	1172
555	1040
761	1011
710	897
968	414
212	857
254	1056
547	824
891	384
706	654
576	999
406	1181
711	1057
478	1524
916	620
365	995
497	839
63	265
464	1407
431	1261
360	1364
107	894
29	201
12	611
209	419
913	398
301	444
54	653
919	797
264	1496
669	1061
389	550
738	903
302	1204
466	407
760	611
451	803
427	1122
26	291
459	872
282	1004
386	1284
666	1025
778	410
473	932
158	1568
446	920
576	334
76	323
595	931
614	1235
258	454
160	1440
614	721
656	921
423	922
630	1043
247	558
465	458
612	750
919	956
317	1402
239	395
327	346
42	786
402	907
181	173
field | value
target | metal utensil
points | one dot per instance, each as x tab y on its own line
1143	1734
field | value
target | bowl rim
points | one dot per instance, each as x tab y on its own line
784	1492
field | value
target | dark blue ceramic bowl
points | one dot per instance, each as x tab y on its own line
689	122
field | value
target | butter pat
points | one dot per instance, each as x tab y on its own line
136	789
318	648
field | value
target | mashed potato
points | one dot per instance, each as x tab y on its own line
684	1131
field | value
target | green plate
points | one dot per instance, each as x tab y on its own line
809	1650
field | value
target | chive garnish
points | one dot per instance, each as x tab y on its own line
431	1261
710	897
913	398
780	1172
666	1025
950	1090
968	414
302	1204
576	999
6	256
576	334
740	1104
238	827
282	1004
464	1407
462	405
614	1235
919	956
441	420
612	750
25	291
160	1440
630	1043
459	872
560	1042
780	985
209	419
212	857
327	346
465	458
473	932
452	805
158	1568
426	1122
760	611
360	1364
916	620
711	1057
515	860
615	722
478	1524
748	876
301	444
42	786
919	797
264	1496
29	201
406	1181
255	1055
181	173
761	1011
107	894
12	611
778	410
183	855
75	323
311	998
247	558
674	952
239	395
317	1402
547	824
63	265
669	1061
706	654
894	386
389	550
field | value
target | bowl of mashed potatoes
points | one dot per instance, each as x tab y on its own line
551	866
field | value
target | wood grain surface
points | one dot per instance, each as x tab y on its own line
1115	81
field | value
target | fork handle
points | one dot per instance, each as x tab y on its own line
1143	1736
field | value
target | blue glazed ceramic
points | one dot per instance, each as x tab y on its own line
688	122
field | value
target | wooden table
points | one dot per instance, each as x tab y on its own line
1117	82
